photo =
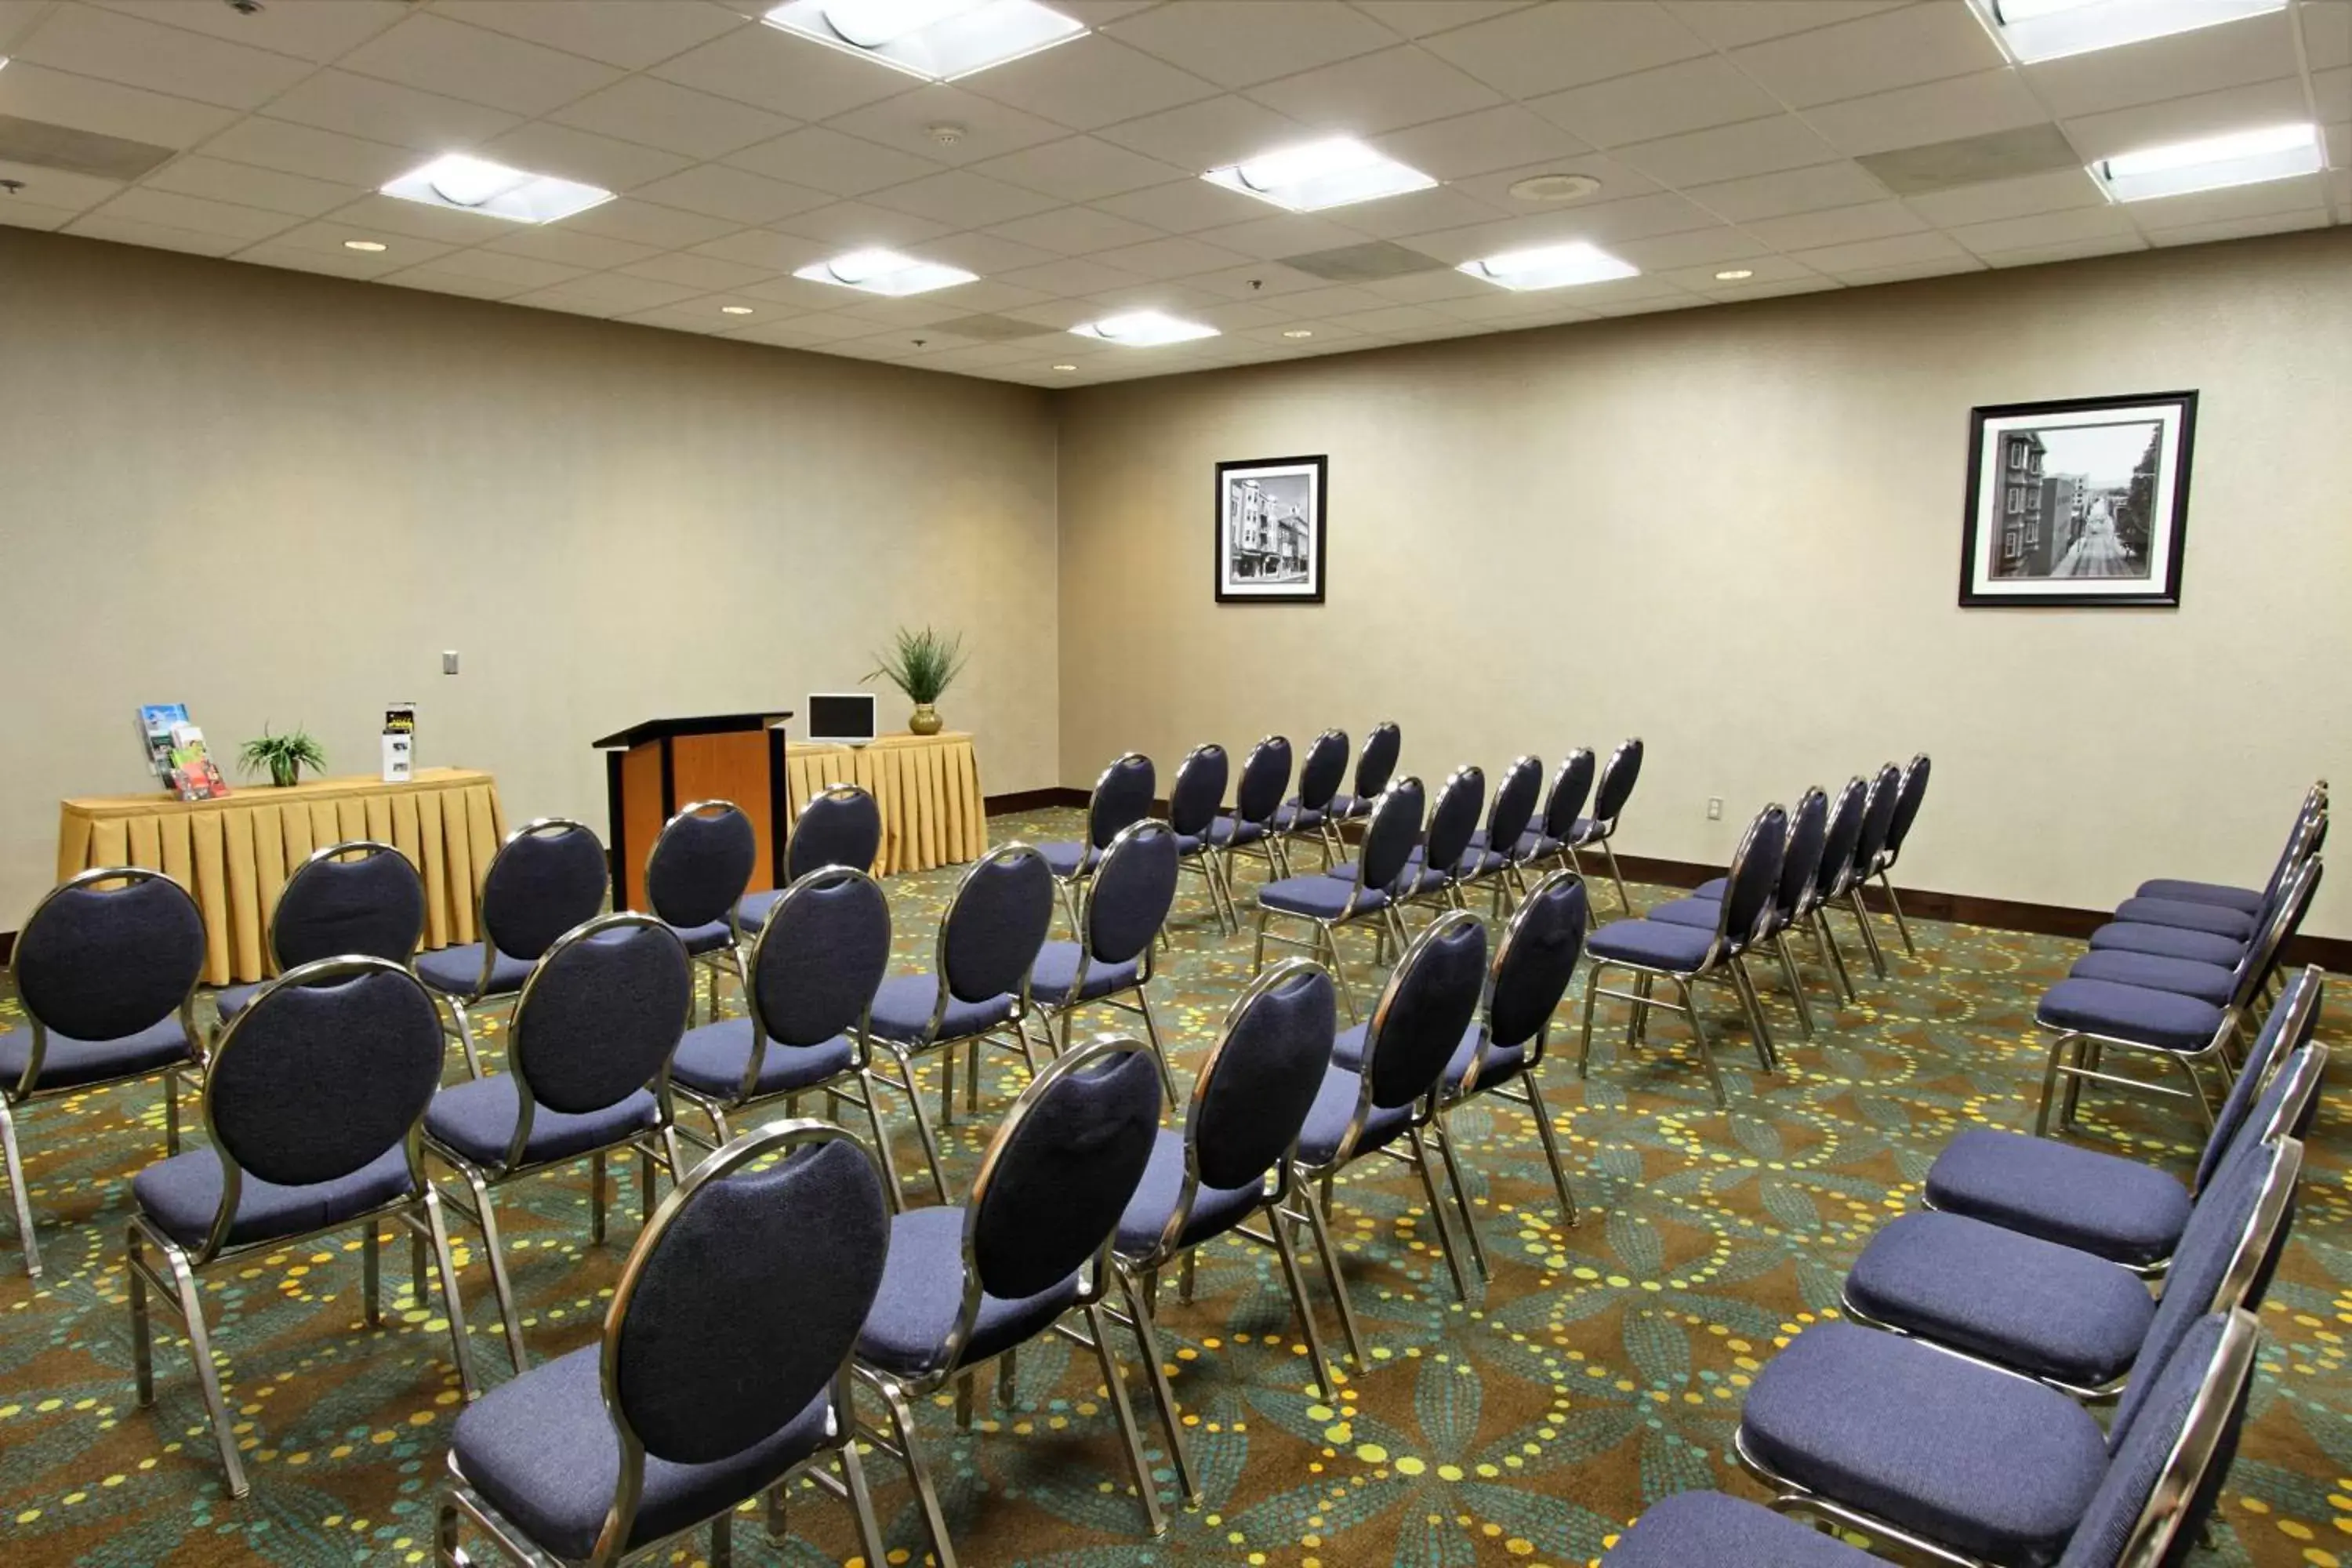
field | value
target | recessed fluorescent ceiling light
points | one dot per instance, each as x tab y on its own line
1320	174
1551	266
937	39
2051	29
885	272
1144	330
2240	158
475	184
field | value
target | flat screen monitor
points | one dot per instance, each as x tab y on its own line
843	718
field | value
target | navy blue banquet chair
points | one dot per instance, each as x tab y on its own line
700	863
315	1102
2304	837
1652	951
1329	903
1030	1250
1127	904
1794	899
1909	795
1248	827
1445	860
2116	1207
1832	879
1192	803
1548	835
976	991
721	1371
1375	766
106	968
1499	852
1391	1092
1231	1163
1307	816
549	876
2207	931
841	825
1609	792
2154	1488
588	1077
1123	795
2213	980
361	896
820	956
1877	821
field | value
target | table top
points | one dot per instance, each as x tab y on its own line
157	801
895	738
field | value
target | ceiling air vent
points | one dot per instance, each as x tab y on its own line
1972	160
1363	263
61	147
992	329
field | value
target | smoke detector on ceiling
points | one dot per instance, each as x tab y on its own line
946	135
1554	188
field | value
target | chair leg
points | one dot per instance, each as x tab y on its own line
1147	1345
1869	937
922	1122
1339	969
1706	1047
861	1500
17	1195
971	1073
460	1351
1796	980
200	1348
918	1473
722	1541
486	1215
1437	1213
1321	1229
1833	956
1744	984
1902	926
1296	1281
1460	1195
1257	960
1115	1384
466	1037
371	1275
881	1139
1591	995
1185	1273
142	1333
947	1087
1624	895
2197	1090
597	1198
2059	1048
1542	1116
172	1111
1159	1049
1008	1378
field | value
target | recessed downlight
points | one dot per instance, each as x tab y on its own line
1554	188
1735	274
1144	330
885	272
1335	173
370	245
1299	332
1551	266
939	40
476	185
734	309
1065	367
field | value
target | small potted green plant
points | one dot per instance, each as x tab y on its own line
284	756
922	664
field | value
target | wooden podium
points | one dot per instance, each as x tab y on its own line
654	768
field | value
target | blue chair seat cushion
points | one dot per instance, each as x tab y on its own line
231	1000
2206	981
1503	1063
182	1194
1703	913
455	970
2245	901
477	1120
1709	1530
541	1450
2097	1202
922	1290
67	1062
2164	1019
1292	818
1067	857
751	913
709	937
2016	1301
1228	830
1216	1210
1586	831
1537	846
1346	806
1055	975
2167	941
711	1059
903	1004
2188	916
1653	944
1716	888
1191	843
1319	897
1975	1460
1326	1119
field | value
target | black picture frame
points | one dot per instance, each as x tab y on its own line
2032	538
1251	566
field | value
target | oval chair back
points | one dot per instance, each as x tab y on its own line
1800	861
1122	795
1835	874
701	863
2159	1490
548	877
1430	998
995	924
1389	838
1059	1172
1259	1080
1455	819
598	1019
1537	961
1515	807
1623	770
1266	778
1754	875
1877	819
1907	796
1570	788
327	1069
362	896
819	959
740	1305
1377	764
2285	919
112	952
1199	789
2259	1100
1132	890
1324	771
840	826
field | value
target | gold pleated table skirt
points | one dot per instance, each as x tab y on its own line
236	853
926	786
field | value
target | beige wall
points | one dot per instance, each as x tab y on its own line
278	498
1736	532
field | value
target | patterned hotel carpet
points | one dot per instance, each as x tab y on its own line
1601	1369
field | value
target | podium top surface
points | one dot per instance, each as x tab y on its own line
708	724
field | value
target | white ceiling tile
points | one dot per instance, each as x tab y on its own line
1907	272
1419	18
2327	35
1079	169
984	128
16	19
437	279
1618	181
1498	308
708	273
1318	301
1239	315
313	32
1059	314
1503	137
1727	24
31	91
2339	147
400	250
124	231
305	150
1638	218
2043	229
1836	225
242	182
2251	49
1551	48
571	248
1208	135
1838	184
1173	257
674	118
988	294
2332	90
335	263
716	191
803	331
1184	207
378	216
961	199
435	55
2229	206
852	226
1070	275
1074	231
1881	51
1729	152
1812	283
2097	136
545	148
647	224
630	34
912	310
387	111
1391	318
1138	294
1946	111
1414	212
116	47
197	215
1238	43
693	313
1879	253
803	295
523	271
1691	95
1258	281
1670	253
54	188
1995	199
986	254
770	252
1428	287
1282	234
825	160
1089	83
772	70
1763	270
2243	227
1376	93
2071	250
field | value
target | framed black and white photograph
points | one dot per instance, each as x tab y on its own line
1270	532
2078	503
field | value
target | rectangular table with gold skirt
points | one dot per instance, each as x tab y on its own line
235	854
927	787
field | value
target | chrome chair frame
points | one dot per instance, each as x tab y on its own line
1603	829
1779	923
419	1213
461	1008
1892	850
1203	861
657	1144
1048	1015
1323	833
1446	891
1360	802
900	1395
1885	785
26	1091
1831	885
1072	885
1388	925
728	959
1509	879
1268	848
459	1502
369	849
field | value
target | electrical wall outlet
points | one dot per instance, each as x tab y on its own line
449	661
1714	802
